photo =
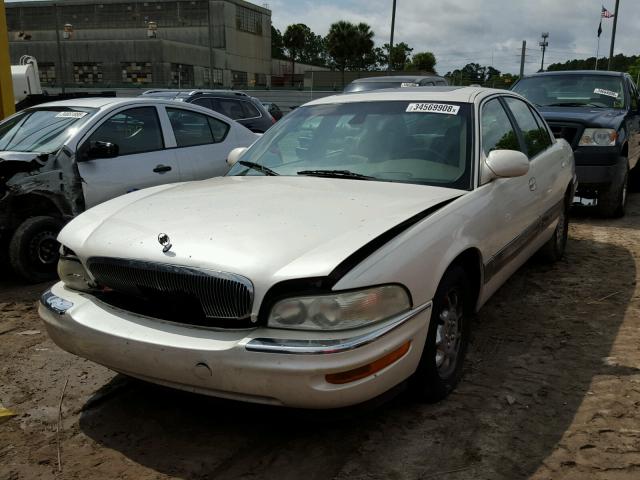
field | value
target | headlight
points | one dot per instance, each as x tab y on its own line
598	137
340	311
72	272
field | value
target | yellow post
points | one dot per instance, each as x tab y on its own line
7	102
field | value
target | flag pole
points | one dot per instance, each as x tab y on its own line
597	52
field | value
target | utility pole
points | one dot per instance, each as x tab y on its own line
393	26
7	102
613	33
522	55
544	44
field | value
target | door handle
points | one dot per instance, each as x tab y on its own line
532	184
162	168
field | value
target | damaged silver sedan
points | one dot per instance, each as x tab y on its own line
61	158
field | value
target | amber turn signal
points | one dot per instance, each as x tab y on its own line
368	369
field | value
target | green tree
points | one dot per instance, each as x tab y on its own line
340	43
363	57
277	44
294	41
422	62
314	51
399	56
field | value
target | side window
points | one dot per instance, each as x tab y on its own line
230	107
135	130
203	102
542	125
536	139
192	128
497	131
250	110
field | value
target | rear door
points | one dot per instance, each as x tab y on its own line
546	160
142	160
202	143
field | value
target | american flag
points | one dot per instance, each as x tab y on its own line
606	13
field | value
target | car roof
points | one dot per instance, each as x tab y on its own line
103	102
191	92
396	78
441	94
604	73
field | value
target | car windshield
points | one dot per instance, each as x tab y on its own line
573	90
420	142
42	130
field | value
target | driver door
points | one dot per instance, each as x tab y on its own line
142	160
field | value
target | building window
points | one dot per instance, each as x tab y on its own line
137	72
181	75
248	20
88	73
239	79
261	80
47	73
217	77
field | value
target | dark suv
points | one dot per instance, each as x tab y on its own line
597	112
395	81
238	106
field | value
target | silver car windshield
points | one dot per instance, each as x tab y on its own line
422	142
602	91
42	130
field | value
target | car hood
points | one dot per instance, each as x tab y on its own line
589	117
265	228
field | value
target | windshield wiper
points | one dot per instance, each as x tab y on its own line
336	174
258	167
573	104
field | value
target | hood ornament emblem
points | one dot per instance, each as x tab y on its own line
165	241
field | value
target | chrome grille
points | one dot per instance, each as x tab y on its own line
219	295
570	132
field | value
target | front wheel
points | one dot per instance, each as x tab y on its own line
440	367
613	201
33	250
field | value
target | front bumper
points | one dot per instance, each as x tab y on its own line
278	367
598	166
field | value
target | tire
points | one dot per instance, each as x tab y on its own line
438	372
553	250
33	250
613	202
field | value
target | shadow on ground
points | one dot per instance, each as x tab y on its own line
537	345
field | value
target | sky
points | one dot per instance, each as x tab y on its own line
489	32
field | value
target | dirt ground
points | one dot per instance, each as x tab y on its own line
551	391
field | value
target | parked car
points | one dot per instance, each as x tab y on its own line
61	158
273	109
242	108
344	253
598	113
392	81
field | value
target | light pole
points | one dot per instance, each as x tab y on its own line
544	44
393	25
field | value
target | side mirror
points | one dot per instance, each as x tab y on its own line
507	163
100	149
234	155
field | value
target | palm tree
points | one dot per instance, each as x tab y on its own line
294	40
340	40
364	46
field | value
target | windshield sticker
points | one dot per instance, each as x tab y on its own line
433	108
71	114
608	93
408	84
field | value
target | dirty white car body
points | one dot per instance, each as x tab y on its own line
386	250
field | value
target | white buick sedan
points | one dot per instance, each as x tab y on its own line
345	252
